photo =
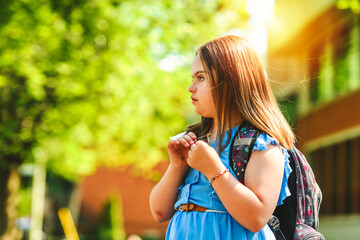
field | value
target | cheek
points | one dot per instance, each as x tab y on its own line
210	105
210	99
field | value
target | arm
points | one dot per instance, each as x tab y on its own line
164	194
252	204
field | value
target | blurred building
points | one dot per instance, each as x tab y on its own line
314	60
132	193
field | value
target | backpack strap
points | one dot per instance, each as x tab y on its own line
241	148
240	152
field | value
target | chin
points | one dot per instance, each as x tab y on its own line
202	114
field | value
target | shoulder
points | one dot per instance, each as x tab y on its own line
266	164
263	141
266	148
267	154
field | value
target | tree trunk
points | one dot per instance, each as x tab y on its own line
38	201
9	187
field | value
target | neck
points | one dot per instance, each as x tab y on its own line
236	120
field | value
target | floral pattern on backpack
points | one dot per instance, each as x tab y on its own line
309	198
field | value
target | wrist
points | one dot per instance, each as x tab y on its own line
216	170
218	175
179	168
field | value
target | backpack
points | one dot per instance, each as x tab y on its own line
298	217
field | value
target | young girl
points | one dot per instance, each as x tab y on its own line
229	87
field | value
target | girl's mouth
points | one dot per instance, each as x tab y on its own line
193	100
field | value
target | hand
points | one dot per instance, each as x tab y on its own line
178	149
205	159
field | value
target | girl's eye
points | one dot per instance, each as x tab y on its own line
200	78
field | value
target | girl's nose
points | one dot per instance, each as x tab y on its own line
191	88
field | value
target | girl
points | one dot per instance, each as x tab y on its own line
229	87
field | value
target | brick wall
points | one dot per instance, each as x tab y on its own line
134	192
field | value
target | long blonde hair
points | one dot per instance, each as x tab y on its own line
240	87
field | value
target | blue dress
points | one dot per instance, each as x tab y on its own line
217	223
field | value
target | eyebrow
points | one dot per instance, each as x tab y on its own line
197	73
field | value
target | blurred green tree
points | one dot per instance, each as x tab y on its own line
84	83
353	5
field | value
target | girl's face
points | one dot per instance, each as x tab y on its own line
201	91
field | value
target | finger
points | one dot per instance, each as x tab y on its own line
193	147
184	142
188	139
189	156
192	135
172	142
201	142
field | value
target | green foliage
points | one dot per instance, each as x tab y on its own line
289	109
353	5
342	76
326	74
112	226
338	71
24	204
85	83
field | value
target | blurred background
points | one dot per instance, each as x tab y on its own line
91	90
